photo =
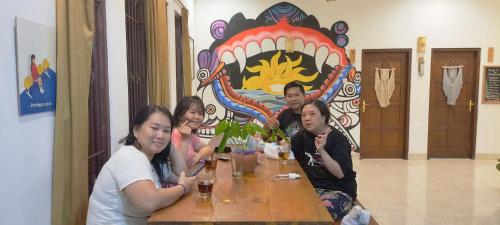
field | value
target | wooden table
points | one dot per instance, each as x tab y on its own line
257	199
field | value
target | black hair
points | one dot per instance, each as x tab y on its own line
184	105
323	109
32	56
159	159
292	85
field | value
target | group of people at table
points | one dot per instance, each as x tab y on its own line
148	172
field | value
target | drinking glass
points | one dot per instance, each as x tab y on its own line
283	153
205	183
237	163
211	164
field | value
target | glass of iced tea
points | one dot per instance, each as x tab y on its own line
205	183
210	164
283	153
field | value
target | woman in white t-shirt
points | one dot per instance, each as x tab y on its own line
133	182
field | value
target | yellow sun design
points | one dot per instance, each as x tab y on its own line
274	76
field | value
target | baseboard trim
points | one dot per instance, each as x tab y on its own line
417	156
487	156
355	155
480	156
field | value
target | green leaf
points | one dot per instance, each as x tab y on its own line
244	134
221	127
248	130
277	132
273	137
235	129
260	129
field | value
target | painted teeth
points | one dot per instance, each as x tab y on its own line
281	43
320	58
252	49
227	57
310	49
298	45
268	45
240	56
321	55
206	131
333	60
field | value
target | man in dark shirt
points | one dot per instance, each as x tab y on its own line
289	120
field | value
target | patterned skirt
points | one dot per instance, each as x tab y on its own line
338	203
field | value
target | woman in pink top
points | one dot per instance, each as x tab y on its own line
188	116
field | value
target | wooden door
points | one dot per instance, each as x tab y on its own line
452	127
384	131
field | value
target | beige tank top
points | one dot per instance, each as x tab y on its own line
384	85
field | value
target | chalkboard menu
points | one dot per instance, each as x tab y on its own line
491	87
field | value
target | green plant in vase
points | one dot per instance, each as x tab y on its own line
236	134
233	133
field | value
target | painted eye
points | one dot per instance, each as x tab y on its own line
349	89
203	74
210	109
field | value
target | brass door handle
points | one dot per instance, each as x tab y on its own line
363	109
470	105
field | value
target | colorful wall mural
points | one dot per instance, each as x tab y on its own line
251	60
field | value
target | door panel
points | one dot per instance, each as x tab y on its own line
384	130
452	127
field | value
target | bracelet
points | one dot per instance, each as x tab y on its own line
183	189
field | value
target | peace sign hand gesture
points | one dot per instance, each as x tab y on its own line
320	140
185	129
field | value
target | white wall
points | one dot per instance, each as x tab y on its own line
394	24
117	62
27	141
174	7
117	70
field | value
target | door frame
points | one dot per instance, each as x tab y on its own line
474	116
408	51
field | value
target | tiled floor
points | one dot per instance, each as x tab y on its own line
431	192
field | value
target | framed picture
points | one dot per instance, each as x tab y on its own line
491	85
36	67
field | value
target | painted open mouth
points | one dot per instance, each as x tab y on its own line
249	69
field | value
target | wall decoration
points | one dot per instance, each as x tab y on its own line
491	85
36	63
491	54
251	60
421	47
